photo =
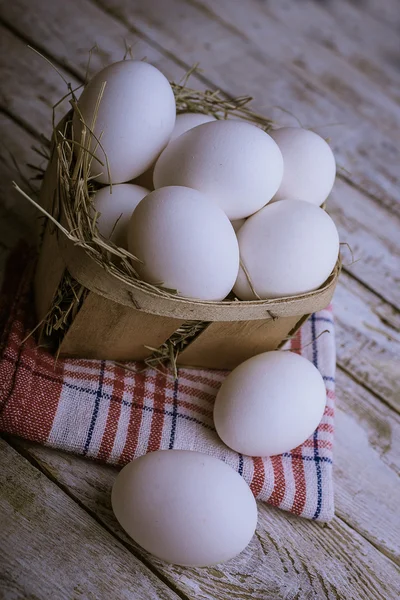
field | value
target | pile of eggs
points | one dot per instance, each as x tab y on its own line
233	209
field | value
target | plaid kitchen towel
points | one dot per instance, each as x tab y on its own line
103	411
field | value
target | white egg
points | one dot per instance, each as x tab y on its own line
185	242
136	117
186	508
236	164
309	165
270	404
237	223
186	121
116	204
287	248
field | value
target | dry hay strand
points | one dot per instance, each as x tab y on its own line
167	354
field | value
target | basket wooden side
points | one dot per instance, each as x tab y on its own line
110	331
226	345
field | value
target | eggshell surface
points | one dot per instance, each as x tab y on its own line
184	507
288	248
270	404
186	121
309	165
136	117
116	205
236	164
185	242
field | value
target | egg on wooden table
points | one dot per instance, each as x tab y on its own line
135	118
184	507
184	242
309	165
234	163
184	122
287	248
270	404
116	204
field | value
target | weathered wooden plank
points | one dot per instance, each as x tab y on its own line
366	471
368	339
366	226
288	555
51	548
387	11
16	149
317	25
235	65
317	65
358	23
31	87
372	234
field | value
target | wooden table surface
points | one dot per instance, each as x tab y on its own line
335	65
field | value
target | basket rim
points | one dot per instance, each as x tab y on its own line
90	273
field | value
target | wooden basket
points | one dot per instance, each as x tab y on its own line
121	321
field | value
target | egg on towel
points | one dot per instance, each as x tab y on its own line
270	404
236	164
185	242
287	248
135	119
116	204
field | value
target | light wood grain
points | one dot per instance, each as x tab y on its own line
287	556
387	11
350	16
16	149
370	229
329	73
368	339
312	23
231	63
51	548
